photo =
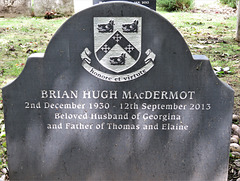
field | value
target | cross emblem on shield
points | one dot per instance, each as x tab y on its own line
117	42
117	47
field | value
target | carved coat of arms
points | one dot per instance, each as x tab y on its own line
117	47
117	42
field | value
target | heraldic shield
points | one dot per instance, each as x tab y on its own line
117	42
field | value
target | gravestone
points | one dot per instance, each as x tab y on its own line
149	3
118	96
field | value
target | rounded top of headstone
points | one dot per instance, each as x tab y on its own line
128	31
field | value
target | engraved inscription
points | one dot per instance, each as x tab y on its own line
161	110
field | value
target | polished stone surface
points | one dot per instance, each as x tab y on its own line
118	96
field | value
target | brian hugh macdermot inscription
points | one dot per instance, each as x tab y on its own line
168	120
118	96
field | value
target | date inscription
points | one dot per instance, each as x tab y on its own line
113	110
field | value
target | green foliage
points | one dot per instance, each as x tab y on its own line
231	3
175	5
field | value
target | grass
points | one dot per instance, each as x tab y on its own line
22	36
212	35
208	34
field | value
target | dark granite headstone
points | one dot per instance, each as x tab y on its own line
149	3
118	96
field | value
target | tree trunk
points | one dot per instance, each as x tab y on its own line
238	22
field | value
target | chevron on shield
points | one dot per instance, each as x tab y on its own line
117	42
118	38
